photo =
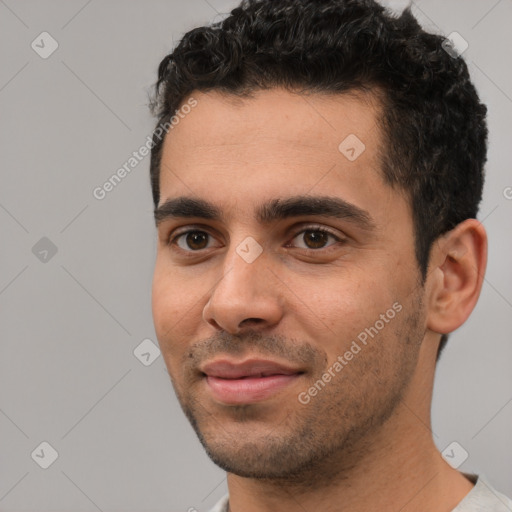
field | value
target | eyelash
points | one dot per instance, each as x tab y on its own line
171	241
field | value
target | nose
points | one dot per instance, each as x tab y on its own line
246	296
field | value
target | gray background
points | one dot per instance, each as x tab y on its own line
70	324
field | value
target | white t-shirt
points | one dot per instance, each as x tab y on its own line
482	498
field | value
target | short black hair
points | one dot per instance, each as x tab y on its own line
432	121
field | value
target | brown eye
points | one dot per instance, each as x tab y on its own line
193	240
314	238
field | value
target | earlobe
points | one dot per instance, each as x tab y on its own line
459	260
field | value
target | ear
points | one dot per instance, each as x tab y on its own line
456	274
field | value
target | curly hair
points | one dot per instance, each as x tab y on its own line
432	121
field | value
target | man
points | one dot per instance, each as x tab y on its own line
315	199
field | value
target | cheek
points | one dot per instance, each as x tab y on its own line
342	305
178	301
161	300
169	307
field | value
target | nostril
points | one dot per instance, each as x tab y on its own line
252	320
212	322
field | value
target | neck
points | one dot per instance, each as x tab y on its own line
400	468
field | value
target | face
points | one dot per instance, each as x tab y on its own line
290	326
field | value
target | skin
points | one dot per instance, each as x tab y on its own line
364	441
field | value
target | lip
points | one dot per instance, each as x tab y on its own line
250	381
226	369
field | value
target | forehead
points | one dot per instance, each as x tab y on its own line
275	144
312	120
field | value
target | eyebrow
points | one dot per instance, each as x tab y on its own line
271	211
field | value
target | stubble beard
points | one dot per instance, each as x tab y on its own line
320	442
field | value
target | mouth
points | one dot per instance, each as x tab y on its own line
251	381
